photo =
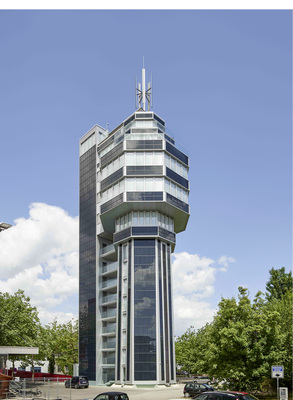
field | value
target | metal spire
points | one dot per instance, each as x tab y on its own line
143	95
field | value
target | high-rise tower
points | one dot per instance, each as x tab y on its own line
133	200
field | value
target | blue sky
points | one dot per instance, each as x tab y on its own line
222	81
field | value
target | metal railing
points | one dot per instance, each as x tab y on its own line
38	389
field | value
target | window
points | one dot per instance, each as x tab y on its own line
141	218
135	218
149	158
139	158
147	218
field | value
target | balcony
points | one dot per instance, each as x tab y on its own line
109	329
109	252
108	360
110	313
110	268
109	283
112	298
109	346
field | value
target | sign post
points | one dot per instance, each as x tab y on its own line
278	372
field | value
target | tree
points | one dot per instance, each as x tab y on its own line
281	345
279	283
60	345
245	338
184	347
19	321
19	325
243	335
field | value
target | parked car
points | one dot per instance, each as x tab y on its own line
112	396
193	388
223	395
202	379
77	382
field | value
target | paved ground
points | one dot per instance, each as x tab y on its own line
135	393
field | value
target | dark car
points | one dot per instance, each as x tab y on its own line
223	395
193	388
77	382
112	396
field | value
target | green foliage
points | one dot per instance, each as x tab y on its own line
60	344
279	283
19	321
245	338
20	326
51	367
184	350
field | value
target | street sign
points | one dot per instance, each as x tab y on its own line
283	393
277	371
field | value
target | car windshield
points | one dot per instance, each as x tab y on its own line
201	397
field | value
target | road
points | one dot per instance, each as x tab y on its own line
135	393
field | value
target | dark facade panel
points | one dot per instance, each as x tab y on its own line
119	313
106	143
177	153
144	130
87	265
111	155
144	116
111	179
144	196
144	230
122	235
177	178
144	144
164	233
169	139
129	311
170	311
112	203
165	316
144	170
129	120
177	203
145	368
161	311
159	120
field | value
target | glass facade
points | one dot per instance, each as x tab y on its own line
133	200
87	264
144	310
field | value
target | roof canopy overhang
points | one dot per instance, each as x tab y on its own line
18	350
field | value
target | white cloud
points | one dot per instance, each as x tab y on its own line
40	256
193	275
189	311
225	261
193	281
48	232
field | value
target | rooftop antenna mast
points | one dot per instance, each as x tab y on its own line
143	95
